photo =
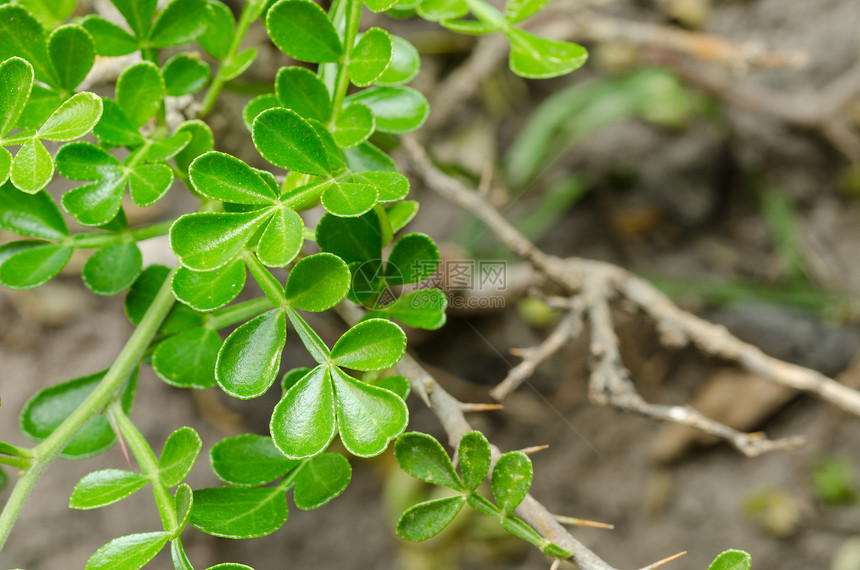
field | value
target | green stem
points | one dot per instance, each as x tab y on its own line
99	239
238	313
149	466
16	462
488	14
96	402
341	82
272	288
250	12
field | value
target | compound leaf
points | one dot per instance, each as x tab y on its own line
249	460
427	519
113	268
321	479
128	552
302	30
187	359
178	456
303	422
423	457
101	488
511	479
474	454
232	512
248	361
374	344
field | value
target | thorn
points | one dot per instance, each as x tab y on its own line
516	351
534	449
664	561
486	179
480	407
572	521
555	564
119	438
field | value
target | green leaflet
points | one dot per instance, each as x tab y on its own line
72	52
534	57
302	30
288	141
398	110
128	552
248	361
178	456
427	519
181	22
209	290
317	283
31	215
249	460
139	92
184	74
300	89
232	512
511	479
187	359
16	75
105	487
112	269
303	422
422	456
321	479
28	264
732	560
370	57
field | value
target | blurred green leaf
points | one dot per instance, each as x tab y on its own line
302	30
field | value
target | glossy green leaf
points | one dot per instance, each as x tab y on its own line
113	268
256	106
187	359
28	264
5	165
115	128
313	343
50	12
353	125
423	457
21	35
423	309
302	30
137	13
178	456
400	214
16	76
101	488
201	141
397	384
534	57
249	460
300	89
321	479
288	141
218	36
73	119
95	204
110	39
184	74
282	239
374	344
40	105
368	417
183	498
236	65
229	566
732	560
355	240
518	10
474	455
436	10
303	422
161	149
380	5
334	153
148	183
292	377
85	161
405	63
209	290
32	167
128	552
349	199
50	407
367	158
72	52
471	27
370	57
413	258
398	110
427	519
143	292
139	92
250	357
30	215
210	240
223	177
391	186
317	282
511	479
239	512
181	22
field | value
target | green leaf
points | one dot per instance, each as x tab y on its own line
210	240
187	359
112	269
374	344
354	240
413	258
370	57
178	456
28	264
436	10
303	422
110	39
300	89
138	14
302	30
534	57
201	141
482	505
250	357
236	65
474	454
218	36
148	183
380	5
73	119
184	74
317	282
181	22
472	27
400	214
139	92
16	77
249	460
398	110
282	239
21	35
321	479
86	161
50	407
128	552
288	141
423	309
183	498
209	290
519	10
334	153
732	560
423	457
73	52
520	529
392	186
366	158
40	105
292	377
229	566
5	165
50	12
101	488
30	215
95	204
32	167
161	149
367	417
349	199
397	384
313	343
353	125
511	479
405	63
114	128
223	177
239	512
143	292
427	519
256	106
